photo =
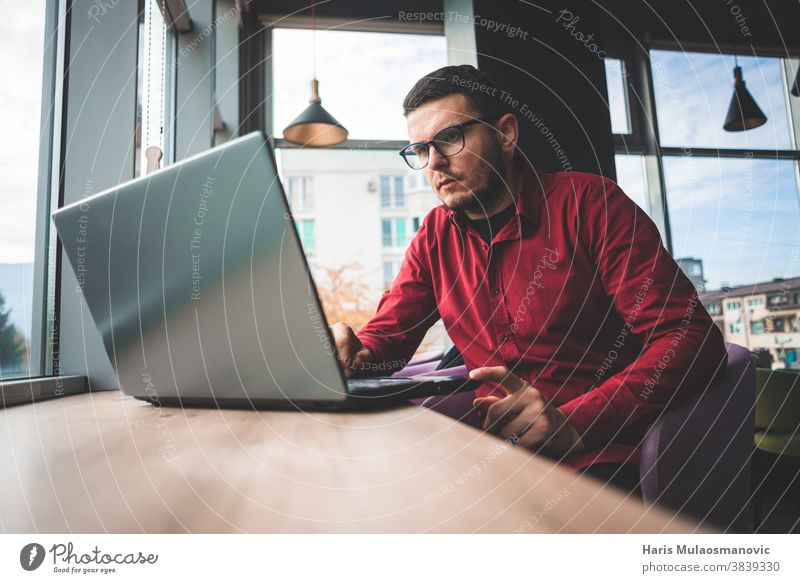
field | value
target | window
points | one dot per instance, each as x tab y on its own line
631	178
732	200
305	228
400	232
415	224
738	215
616	83
726	203
392	192
386	232
386	194
776	299
151	110
300	194
735	328
412	181
394	232
778	324
693	91
757	327
368	105
713	309
22	42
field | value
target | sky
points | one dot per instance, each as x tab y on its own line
21	49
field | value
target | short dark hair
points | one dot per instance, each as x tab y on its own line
479	88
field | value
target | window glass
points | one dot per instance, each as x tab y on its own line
400	232
616	82
368	105
399	192
22	45
741	217
386	195
152	93
693	92
630	177
305	228
386	232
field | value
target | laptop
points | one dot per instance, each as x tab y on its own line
198	284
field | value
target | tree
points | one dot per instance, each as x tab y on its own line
344	295
346	298
12	342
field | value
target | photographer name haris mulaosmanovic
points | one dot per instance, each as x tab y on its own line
700	550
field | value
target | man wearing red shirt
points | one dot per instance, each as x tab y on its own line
555	288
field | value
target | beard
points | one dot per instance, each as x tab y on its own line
490	179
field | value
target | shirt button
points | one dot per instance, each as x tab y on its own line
495	291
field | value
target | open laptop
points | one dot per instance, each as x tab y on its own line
197	281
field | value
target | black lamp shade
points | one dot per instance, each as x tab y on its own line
743	113
315	126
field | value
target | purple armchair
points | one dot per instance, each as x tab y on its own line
695	458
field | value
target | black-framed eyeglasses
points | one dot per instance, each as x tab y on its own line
448	142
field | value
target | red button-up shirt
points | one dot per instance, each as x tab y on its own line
576	294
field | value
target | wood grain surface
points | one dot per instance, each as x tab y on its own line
105	462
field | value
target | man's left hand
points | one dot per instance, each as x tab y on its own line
523	416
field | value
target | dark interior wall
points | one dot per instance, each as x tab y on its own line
769	26
350	9
553	67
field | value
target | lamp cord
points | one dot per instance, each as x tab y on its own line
314	39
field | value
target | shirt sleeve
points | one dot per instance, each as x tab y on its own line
683	349
405	312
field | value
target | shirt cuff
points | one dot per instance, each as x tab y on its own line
594	417
375	349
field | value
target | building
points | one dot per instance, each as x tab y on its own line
693	268
762	317
356	212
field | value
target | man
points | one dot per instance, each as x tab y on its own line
555	288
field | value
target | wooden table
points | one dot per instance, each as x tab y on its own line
105	462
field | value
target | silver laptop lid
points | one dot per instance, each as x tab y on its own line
197	282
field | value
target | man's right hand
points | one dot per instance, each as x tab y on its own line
354	357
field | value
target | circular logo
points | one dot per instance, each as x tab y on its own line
31	556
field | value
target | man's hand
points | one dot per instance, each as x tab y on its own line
524	416
354	357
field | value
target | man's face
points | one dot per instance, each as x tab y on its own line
469	180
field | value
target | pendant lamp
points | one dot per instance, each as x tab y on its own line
315	126
743	112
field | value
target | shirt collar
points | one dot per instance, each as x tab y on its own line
527	197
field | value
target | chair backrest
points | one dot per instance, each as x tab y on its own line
696	457
778	401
